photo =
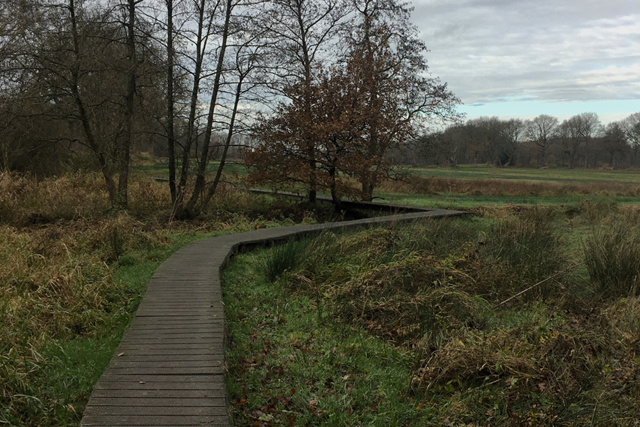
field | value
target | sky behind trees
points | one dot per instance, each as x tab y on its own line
518	58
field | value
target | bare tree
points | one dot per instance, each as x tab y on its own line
512	132
615	142
220	46
75	65
631	128
586	126
541	131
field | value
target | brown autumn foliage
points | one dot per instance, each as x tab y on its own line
357	113
318	143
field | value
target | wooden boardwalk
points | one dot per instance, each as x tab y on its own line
168	369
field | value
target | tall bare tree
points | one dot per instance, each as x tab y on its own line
541	131
631	127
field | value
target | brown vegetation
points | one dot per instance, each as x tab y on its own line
61	255
564	351
498	187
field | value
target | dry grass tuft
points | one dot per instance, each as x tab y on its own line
25	201
523	251
612	258
409	298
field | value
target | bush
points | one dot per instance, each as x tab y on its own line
524	251
415	297
284	258
612	258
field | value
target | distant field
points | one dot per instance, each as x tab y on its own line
466	201
530	174
160	168
467	186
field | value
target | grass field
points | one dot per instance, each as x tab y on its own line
530	320
530	174
453	201
468	186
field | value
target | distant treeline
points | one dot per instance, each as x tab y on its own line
581	141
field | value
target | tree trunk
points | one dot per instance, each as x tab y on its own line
337	203
227	143
82	111
171	144
200	46
204	160
125	144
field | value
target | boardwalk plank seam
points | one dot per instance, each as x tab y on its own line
148	361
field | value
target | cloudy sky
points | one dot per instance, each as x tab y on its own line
522	58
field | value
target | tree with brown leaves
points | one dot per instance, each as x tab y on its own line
373	100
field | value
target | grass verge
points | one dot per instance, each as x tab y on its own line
427	325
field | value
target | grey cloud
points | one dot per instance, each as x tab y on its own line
490	49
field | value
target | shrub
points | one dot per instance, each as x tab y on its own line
612	258
284	258
524	251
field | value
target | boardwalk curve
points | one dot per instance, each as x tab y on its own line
167	371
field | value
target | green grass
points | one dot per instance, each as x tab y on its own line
160	168
302	369
466	201
530	174
409	326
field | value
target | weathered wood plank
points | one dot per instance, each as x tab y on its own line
208	393
158	409
193	370
155	421
159	386
162	364
164	402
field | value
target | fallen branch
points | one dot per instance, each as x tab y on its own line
536	285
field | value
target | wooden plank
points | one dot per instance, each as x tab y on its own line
160	347
156	378
137	371
168	335
159	386
137	357
175	326
171	343
169	329
121	363
209	393
158	409
150	354
155	421
156	402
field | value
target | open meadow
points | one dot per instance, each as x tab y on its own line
468	186
73	271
